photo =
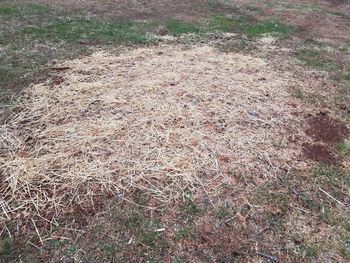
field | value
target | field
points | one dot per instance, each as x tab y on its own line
175	131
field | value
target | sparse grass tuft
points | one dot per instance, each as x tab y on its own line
269	27
9	11
23	11
135	220
334	176
298	93
310	250
176	27
222	23
345	248
344	148
342	14
111	250
183	233
148	238
222	211
239	45
309	202
190	208
218	23
72	251
318	59
56	244
144	229
347	73
6	249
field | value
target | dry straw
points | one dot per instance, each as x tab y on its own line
163	120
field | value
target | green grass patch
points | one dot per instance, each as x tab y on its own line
344	246
176	27
34	10
7	74
309	202
9	11
111	250
136	220
23	10
144	228
223	23
344	148
72	251
83	29
336	177
148	237
7	251
298	93
310	250
269	27
347	73
222	211
183	233
190	208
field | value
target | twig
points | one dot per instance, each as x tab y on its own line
262	230
33	245
323	191
231	218
56	238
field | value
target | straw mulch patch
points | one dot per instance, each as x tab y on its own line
163	120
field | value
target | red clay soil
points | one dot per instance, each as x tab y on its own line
319	153
57	80
326	129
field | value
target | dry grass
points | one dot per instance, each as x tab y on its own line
165	120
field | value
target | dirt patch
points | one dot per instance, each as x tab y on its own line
337	2
57	80
323	128
140	10
326	20
316	26
319	153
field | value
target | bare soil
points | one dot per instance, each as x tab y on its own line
319	153
323	128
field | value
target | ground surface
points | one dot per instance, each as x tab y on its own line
175	131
